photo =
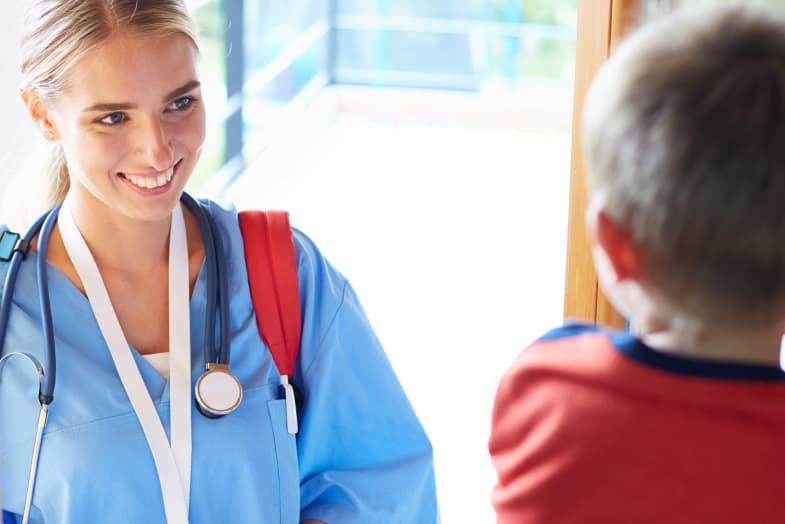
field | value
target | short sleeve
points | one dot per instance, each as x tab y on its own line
363	454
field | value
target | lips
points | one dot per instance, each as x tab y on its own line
152	180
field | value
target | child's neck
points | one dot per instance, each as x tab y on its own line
758	345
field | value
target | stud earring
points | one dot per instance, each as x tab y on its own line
49	135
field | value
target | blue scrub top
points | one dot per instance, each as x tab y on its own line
361	454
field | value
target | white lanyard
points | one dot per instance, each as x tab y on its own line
173	463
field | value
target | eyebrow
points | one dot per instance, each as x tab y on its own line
189	86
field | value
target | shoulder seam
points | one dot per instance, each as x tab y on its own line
318	352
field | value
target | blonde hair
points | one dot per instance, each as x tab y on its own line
59	33
683	131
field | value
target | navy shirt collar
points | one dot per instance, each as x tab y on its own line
635	349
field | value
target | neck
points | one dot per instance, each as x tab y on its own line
758	345
125	249
662	329
123	245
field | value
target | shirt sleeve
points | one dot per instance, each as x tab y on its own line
508	446
363	454
528	436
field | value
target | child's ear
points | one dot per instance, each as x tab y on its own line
616	243
40	114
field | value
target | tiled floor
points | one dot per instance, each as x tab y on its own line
455	240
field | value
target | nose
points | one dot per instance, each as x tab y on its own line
153	145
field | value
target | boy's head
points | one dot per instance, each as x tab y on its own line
684	135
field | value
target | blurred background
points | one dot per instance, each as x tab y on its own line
425	146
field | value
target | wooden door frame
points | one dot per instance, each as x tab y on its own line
601	24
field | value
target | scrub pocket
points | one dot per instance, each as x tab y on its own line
244	468
286	456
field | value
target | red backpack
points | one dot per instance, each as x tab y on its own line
272	277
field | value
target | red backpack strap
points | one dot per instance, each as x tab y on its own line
272	276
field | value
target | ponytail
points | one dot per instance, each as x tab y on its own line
56	182
40	184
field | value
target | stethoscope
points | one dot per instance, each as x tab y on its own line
217	391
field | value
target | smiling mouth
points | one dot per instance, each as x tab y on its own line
152	181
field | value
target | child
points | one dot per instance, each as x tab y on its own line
685	420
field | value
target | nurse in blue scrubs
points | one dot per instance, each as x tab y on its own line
114	87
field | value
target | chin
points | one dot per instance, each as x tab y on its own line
155	210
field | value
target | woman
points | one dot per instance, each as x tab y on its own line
114	86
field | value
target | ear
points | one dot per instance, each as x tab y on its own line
616	244
40	114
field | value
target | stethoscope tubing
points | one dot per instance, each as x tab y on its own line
45	380
46	387
217	292
213	265
223	297
10	277
44	300
217	298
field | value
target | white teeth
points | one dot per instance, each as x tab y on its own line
151	182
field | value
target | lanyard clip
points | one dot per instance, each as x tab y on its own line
291	407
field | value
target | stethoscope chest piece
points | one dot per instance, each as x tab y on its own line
218	392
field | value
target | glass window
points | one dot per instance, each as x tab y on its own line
448	44
270	25
258	56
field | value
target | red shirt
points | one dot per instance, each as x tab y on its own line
594	427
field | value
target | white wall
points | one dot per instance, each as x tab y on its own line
17	134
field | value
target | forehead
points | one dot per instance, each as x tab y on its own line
129	68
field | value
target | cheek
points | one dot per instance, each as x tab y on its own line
191	131
88	153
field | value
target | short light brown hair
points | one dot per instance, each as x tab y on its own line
684	135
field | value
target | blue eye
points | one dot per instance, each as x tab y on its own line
181	103
113	119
